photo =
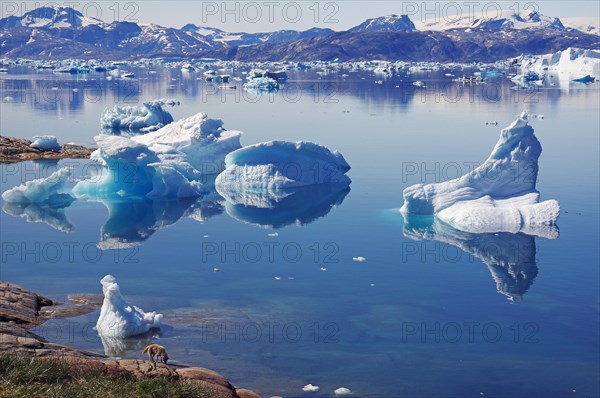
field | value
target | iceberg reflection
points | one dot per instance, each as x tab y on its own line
132	221
280	208
51	214
510	257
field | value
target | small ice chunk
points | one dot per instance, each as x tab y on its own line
342	391
274	234
310	388
323	269
359	259
277	278
45	143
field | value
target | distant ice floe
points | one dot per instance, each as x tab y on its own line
342	391
137	119
310	388
118	319
262	84
498	196
572	64
45	143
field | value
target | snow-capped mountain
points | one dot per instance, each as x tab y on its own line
50	17
505	19
387	23
62	32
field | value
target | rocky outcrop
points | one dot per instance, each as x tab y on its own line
19	149
21	310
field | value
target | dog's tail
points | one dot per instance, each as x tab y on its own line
146	350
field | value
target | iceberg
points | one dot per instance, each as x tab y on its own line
170	162
149	117
572	63
45	143
262	84
118	319
46	191
498	196
278	165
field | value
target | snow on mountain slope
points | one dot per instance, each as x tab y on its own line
391	22
502	20
590	25
51	17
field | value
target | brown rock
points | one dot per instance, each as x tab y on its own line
204	374
243	393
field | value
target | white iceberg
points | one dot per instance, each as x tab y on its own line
262	84
45	143
498	196
118	319
169	162
278	165
149	117
50	190
572	64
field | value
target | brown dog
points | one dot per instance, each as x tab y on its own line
156	352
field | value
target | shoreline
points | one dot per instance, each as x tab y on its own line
21	310
14	150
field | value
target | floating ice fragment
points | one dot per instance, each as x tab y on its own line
359	259
342	391
310	388
274	234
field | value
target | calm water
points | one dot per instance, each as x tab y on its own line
432	312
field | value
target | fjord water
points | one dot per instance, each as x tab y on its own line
430	313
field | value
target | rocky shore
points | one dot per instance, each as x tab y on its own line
21	310
18	149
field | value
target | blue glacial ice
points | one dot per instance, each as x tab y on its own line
51	190
137	119
278	183
169	162
276	165
45	143
498	196
118	319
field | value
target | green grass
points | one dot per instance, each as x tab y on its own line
32	377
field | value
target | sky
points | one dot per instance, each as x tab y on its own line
269	15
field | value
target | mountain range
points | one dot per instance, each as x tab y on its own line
63	32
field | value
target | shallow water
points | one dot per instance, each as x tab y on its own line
429	313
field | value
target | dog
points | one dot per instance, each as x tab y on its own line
156	352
